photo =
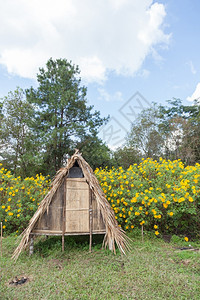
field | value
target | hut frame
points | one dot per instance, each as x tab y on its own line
113	233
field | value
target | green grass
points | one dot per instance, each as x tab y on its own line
152	270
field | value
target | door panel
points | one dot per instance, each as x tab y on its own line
77	205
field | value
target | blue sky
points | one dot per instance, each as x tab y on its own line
137	50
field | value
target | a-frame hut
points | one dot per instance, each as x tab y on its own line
75	205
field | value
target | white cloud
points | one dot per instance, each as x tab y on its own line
196	94
92	69
100	36
104	95
192	68
144	73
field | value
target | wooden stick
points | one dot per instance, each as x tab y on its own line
142	234
31	246
64	216
1	238
90	219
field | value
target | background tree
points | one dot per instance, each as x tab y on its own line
180	127
171	131
126	156
96	153
62	117
18	148
145	135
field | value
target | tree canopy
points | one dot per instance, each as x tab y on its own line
18	148
62	116
171	131
41	126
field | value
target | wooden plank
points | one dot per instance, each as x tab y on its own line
76	209
98	223
76	179
46	232
57	233
77	221
53	219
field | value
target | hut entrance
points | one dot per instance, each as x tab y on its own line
77	206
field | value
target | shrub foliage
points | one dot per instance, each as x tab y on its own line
163	196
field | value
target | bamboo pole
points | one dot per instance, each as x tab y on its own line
1	238
64	216
90	219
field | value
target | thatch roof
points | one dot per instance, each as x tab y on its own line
114	233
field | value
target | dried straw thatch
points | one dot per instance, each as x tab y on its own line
114	234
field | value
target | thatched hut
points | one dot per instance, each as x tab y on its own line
75	205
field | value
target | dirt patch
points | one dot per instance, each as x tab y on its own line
18	281
56	263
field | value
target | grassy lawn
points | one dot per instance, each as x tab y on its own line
152	270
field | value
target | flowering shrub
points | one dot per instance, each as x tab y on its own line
160	195
163	196
19	199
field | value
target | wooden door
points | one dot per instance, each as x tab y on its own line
77	205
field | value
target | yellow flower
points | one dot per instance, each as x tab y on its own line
134	199
156	233
18	215
4	226
190	199
141	223
171	213
186	239
3	206
155	227
181	199
132	226
10	213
